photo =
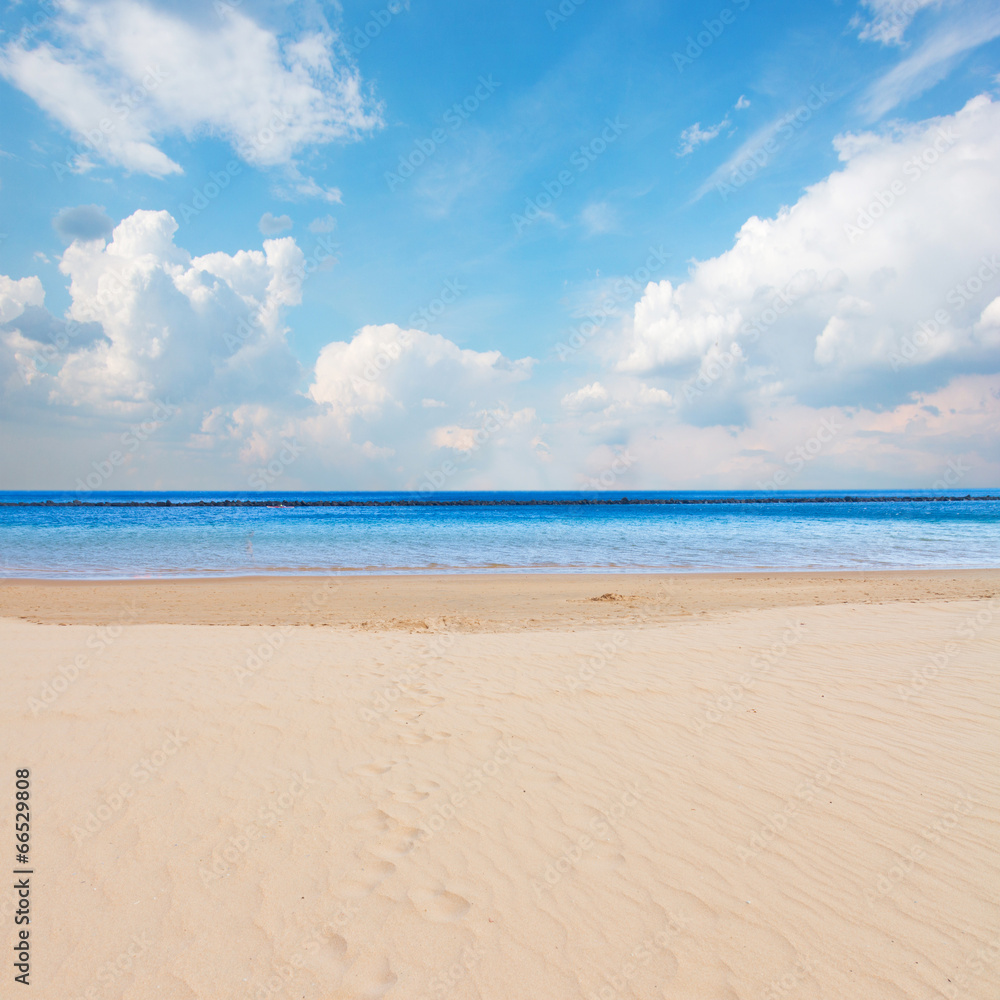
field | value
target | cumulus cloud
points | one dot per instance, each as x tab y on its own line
150	324
121	76
84	222
174	325
588	397
389	384
271	225
384	371
868	288
16	295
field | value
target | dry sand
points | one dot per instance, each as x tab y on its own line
752	787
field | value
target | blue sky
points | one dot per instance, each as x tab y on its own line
385	225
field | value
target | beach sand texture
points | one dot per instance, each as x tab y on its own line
729	788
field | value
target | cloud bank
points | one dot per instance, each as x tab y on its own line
855	336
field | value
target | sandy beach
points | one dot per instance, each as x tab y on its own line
729	787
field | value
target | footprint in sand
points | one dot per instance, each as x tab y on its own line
331	958
439	905
374	768
363	881
373	821
414	792
371	980
399	842
407	795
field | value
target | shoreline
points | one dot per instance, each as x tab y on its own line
474	601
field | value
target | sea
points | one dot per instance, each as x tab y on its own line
703	535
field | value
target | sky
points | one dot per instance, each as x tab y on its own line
534	245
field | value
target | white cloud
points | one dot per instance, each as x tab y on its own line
386	369
742	103
271	225
695	136
173	324
932	60
121	75
821	301
15	295
323	224
888	19
207	335
588	397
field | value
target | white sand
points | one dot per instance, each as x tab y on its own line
642	810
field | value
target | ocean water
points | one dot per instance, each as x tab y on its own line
130	542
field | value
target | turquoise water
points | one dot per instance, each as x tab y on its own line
129	542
